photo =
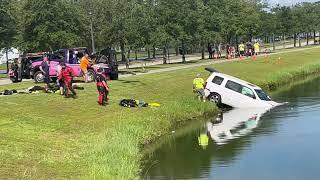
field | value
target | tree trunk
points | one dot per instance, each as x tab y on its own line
128	59
7	58
307	38
183	53
237	44
123	56
273	42
164	55
136	55
295	40
177	51
284	41
314	37
299	40
168	52
202	51
154	52
149	54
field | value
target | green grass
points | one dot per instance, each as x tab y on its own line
145	69
44	136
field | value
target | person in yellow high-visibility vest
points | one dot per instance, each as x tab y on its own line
203	140
256	48
241	49
198	87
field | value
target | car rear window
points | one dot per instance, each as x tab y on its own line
217	80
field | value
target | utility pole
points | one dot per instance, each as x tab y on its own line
92	36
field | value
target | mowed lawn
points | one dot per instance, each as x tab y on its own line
45	136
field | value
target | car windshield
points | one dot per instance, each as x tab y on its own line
262	95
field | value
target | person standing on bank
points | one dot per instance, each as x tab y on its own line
198	87
84	64
44	68
103	87
241	49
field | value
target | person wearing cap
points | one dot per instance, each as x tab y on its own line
66	75
44	68
198	87
84	64
102	86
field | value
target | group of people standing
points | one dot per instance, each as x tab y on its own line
65	76
249	49
244	49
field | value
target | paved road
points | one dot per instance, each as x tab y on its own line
206	63
176	59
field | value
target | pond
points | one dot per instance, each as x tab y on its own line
281	143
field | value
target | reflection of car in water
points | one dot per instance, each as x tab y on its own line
235	123
225	89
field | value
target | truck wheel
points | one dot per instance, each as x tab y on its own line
91	75
38	77
114	76
215	98
15	80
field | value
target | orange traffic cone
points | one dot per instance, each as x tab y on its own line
215	56
254	57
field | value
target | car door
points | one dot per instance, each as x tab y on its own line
248	97
53	68
233	94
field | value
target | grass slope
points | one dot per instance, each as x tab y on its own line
46	136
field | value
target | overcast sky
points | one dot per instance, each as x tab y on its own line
288	2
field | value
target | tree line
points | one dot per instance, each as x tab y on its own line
43	25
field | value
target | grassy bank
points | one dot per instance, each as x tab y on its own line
46	136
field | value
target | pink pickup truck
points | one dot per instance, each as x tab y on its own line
72	59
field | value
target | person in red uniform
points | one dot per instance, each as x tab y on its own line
66	75
102	86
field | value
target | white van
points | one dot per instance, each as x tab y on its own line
224	89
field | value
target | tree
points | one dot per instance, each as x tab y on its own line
7	25
50	25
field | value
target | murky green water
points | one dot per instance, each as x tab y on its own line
282	143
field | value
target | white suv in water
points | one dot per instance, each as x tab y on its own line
225	89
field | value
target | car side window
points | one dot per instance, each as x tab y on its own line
234	86
217	80
240	89
248	92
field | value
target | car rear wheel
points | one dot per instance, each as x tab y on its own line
15	80
215	98
39	77
114	76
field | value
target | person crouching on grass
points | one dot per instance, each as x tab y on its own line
102	86
198	87
66	75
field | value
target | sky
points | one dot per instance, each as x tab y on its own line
288	2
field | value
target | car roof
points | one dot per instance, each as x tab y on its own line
236	80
